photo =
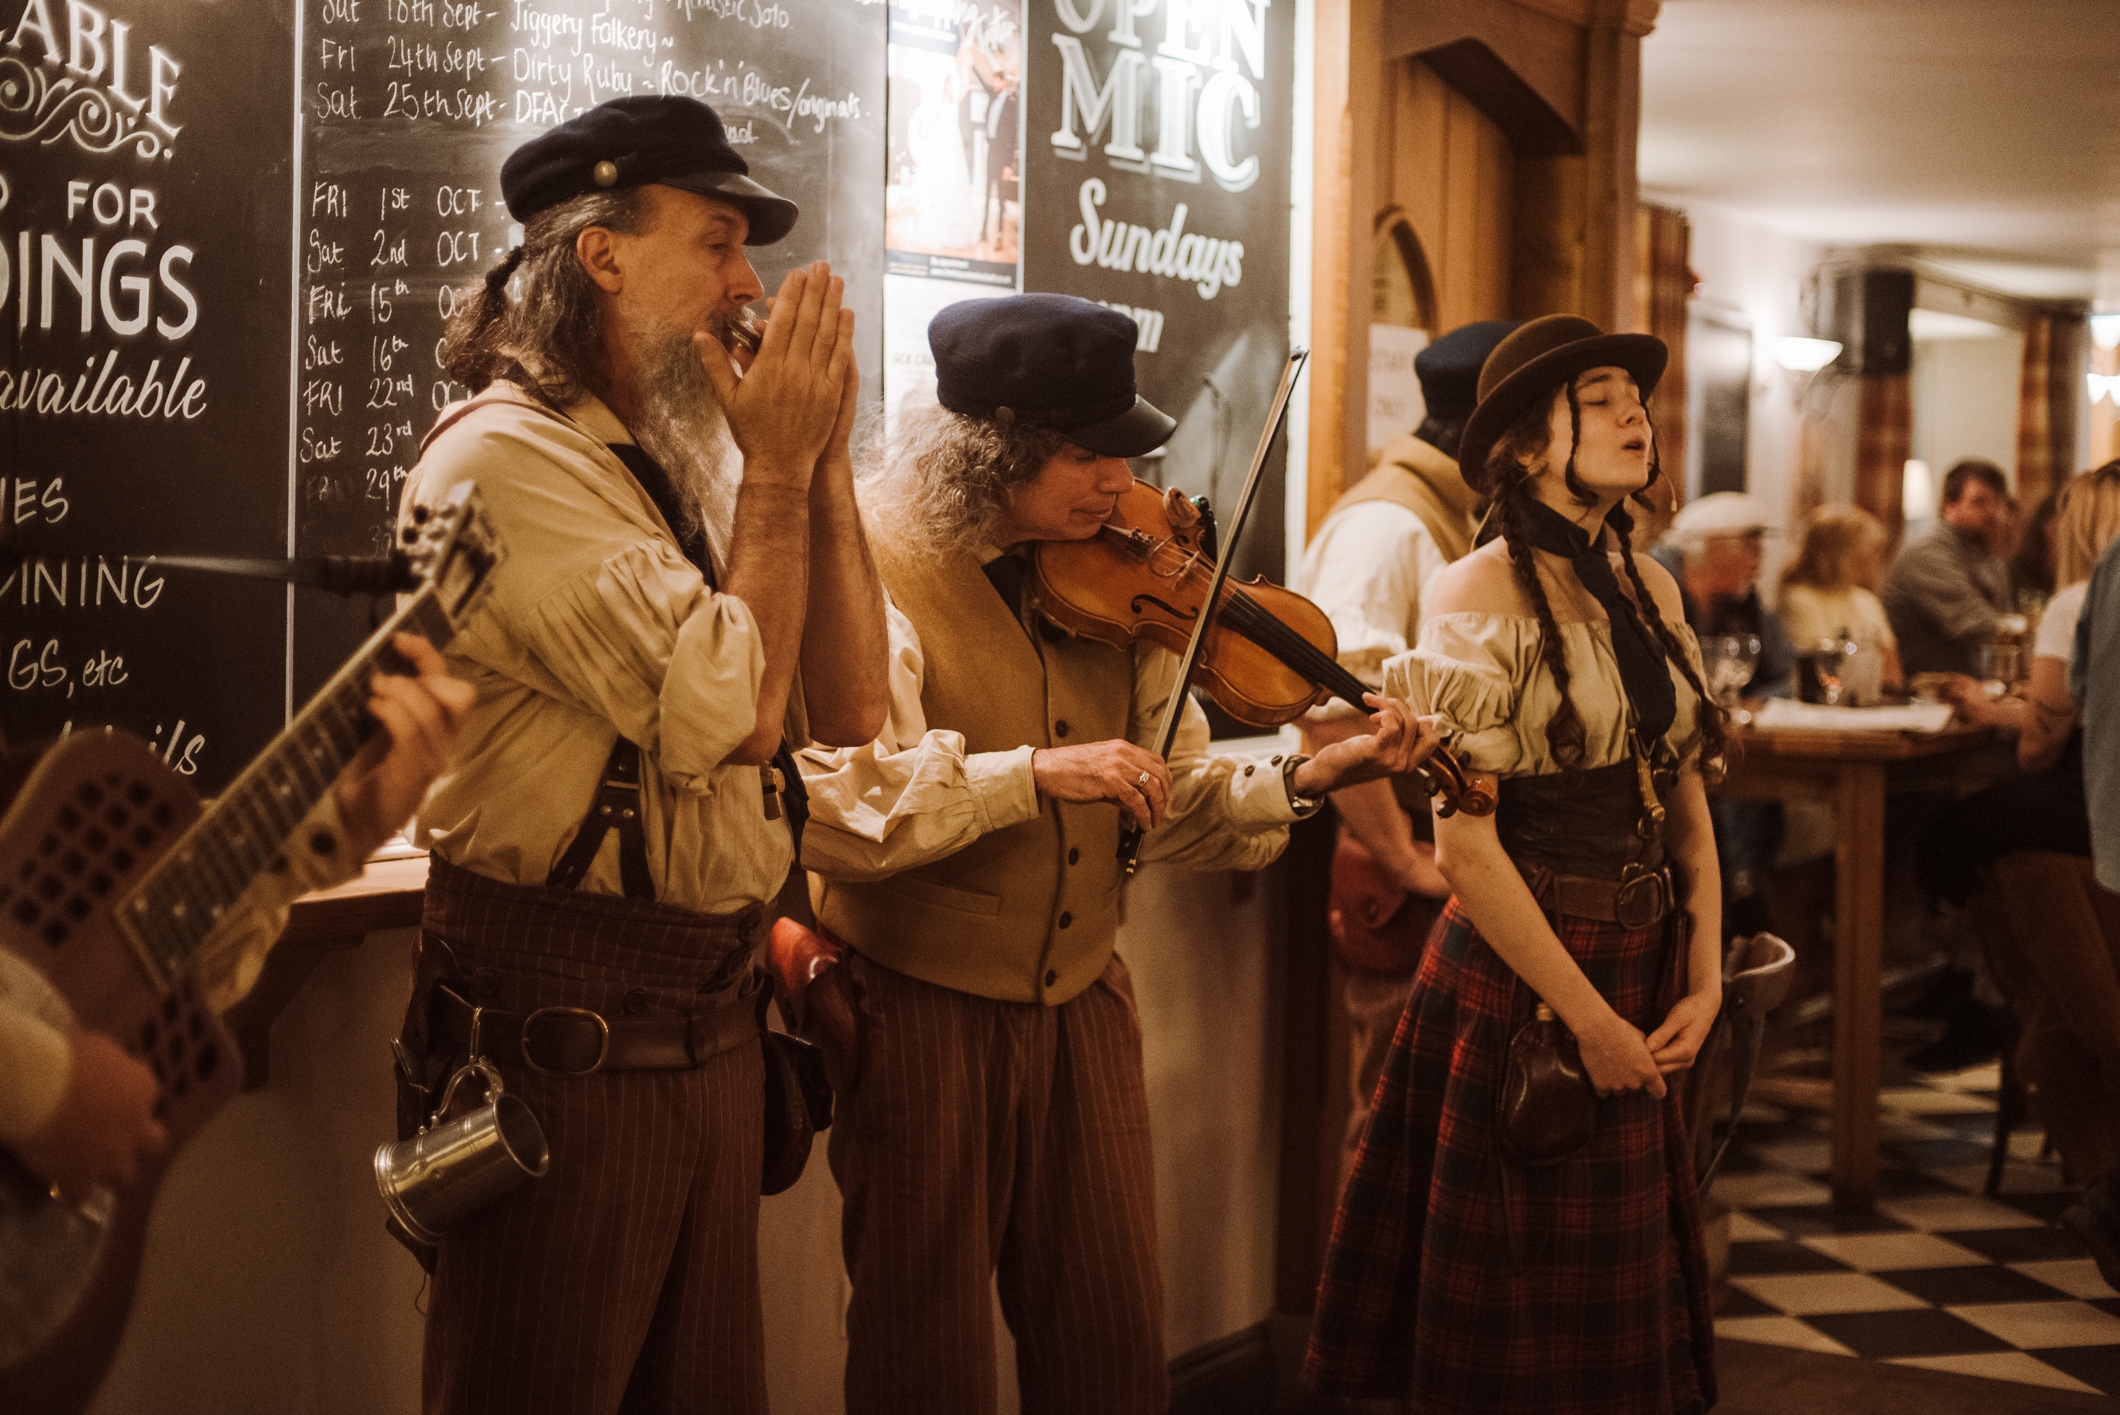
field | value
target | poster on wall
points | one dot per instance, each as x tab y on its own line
145	151
1157	147
953	195
953	191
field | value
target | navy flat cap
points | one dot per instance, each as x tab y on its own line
1449	369
630	142
1051	361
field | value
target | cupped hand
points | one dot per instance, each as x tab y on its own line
1617	1058
1676	1044
783	410
104	1132
1132	778
421	716
1398	742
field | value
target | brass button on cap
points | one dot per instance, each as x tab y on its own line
606	174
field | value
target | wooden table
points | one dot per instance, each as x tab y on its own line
1855	771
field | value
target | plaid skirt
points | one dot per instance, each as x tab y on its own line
1421	1298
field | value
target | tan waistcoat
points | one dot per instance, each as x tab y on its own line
1426	482
1029	913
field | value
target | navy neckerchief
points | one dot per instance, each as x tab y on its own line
692	540
1643	669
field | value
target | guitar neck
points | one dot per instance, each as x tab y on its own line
177	905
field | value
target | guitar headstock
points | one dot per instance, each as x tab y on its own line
452	547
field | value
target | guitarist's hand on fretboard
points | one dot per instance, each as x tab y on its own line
421	717
103	1131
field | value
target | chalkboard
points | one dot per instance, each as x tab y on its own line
409	108
230	234
145	164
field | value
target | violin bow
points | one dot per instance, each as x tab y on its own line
1174	709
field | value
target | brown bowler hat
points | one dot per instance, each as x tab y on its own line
1527	368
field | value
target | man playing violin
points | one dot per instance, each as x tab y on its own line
997	1116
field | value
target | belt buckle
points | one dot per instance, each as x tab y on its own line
603	1050
1641	898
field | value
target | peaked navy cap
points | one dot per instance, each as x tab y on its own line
630	142
1050	361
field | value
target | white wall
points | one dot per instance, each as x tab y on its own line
271	1289
1762	274
1965	400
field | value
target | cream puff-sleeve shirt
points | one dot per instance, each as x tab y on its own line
596	626
1481	674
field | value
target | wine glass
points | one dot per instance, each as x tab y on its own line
1731	660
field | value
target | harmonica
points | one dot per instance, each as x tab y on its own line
744	335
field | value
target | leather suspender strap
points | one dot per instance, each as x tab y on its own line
616	806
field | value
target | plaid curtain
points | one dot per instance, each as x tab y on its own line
2047	393
1663	284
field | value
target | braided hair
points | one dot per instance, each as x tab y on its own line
1509	468
1509	473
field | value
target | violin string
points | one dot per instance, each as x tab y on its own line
1255	622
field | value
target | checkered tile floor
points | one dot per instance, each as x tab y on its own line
1940	1276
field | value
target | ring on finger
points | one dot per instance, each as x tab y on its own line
1142	780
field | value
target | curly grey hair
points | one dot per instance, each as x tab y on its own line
939	484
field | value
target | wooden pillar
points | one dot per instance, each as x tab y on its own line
1612	112
1348	115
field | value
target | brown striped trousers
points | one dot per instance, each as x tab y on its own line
986	1137
626	1279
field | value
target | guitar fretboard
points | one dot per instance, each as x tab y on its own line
183	897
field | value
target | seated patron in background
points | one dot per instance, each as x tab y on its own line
2032	562
1827	592
1714	550
998	1119
680	540
1947	590
1369	568
2058	961
2044	808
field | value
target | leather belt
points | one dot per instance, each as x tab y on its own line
575	1041
1636	900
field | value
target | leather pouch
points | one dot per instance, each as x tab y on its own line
1548	1109
798	1103
1375	926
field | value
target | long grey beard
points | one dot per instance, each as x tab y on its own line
685	430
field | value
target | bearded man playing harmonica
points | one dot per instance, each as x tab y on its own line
687	596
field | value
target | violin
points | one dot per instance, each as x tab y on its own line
1268	654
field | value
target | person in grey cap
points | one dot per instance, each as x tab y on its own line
687	595
998	1120
1369	568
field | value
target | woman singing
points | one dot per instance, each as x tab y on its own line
1459	1278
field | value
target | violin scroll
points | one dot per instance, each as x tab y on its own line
1444	777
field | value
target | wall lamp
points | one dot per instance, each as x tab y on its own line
1803	355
